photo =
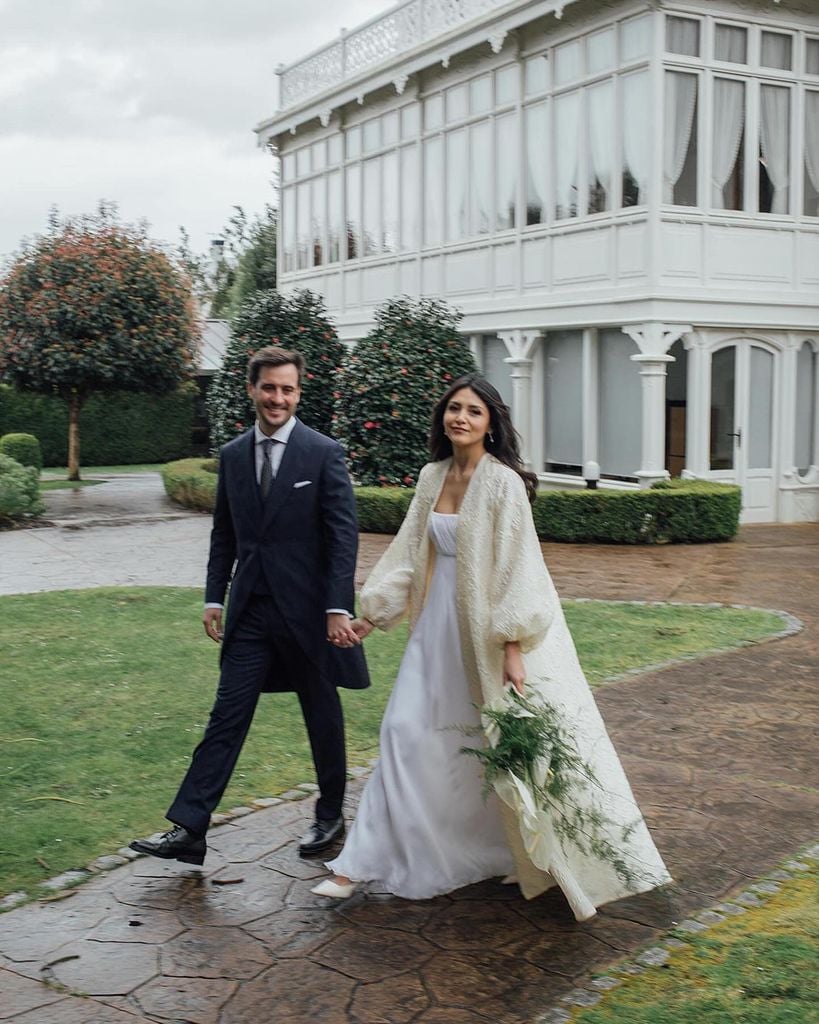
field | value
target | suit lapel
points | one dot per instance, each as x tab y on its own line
287	473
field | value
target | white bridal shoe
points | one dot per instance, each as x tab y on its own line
334	889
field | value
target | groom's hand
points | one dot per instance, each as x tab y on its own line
212	621
339	630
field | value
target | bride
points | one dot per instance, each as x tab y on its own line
467	569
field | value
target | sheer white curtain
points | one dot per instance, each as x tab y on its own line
774	137
601	138
637	131
433	188
371	220
682	35
567	138
680	102
537	177
457	179
729	121
730	44
409	197
812	144
506	183
480	166
391	204
776	50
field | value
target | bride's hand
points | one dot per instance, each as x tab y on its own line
513	669
362	627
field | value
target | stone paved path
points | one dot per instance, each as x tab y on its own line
722	757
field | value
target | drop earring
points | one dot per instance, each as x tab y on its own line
491	437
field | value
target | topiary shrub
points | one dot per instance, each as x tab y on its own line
386	389
24	448
19	491
191	482
297	321
381	509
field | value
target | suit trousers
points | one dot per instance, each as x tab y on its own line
261	646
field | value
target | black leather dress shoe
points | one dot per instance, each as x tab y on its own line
321	834
176	844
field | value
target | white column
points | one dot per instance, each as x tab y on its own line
654	340
520	345
591	393
476	348
697	407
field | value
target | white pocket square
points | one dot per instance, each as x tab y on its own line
302	483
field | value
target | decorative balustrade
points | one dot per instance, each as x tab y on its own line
388	35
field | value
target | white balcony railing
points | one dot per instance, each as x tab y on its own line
397	31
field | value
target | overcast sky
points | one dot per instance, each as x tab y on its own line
148	103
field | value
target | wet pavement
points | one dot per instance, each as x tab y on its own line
721	753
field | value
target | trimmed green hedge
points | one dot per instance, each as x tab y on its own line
23	448
19	491
120	428
676	511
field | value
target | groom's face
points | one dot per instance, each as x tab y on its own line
275	395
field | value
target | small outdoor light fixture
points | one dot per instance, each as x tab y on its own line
591	474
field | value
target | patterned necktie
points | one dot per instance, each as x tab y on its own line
266	479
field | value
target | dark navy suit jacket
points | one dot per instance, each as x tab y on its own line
300	545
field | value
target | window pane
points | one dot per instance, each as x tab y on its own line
563	405
776	50
457	100
372	208
433	191
506	85
289	225
303	161
635	119
433	112
536	73
727	178
410	121
682	35
731	44
805	454
354	212
303	231
812	56
334	217
335	149
319	155
567	138
774	149
811	154
390	205
409	197
680	149
600	147
389	129
496	371
600	51
568	62
481	95
635	38
761	401
372	135
456	185
722	408
620	405
536	164
506	182
319	217
353	142
480	169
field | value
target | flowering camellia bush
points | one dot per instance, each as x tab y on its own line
94	306
297	321
386	389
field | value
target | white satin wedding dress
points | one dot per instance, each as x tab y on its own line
423	827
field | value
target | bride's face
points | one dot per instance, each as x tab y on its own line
466	419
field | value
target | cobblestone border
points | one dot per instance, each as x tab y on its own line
69	879
590	993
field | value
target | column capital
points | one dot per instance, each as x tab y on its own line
654	338
520	344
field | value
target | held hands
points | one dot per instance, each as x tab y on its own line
340	630
212	621
513	668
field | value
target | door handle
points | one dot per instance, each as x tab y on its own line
738	436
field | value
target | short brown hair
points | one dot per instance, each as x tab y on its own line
273	355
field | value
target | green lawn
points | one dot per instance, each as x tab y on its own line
105	693
760	968
66	485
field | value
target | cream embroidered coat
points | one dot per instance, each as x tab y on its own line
505	593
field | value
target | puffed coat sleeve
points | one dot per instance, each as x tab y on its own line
385	595
523	598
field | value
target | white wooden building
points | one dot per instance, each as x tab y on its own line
621	195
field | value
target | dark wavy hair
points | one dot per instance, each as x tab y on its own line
505	443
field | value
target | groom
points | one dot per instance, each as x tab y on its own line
285	515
